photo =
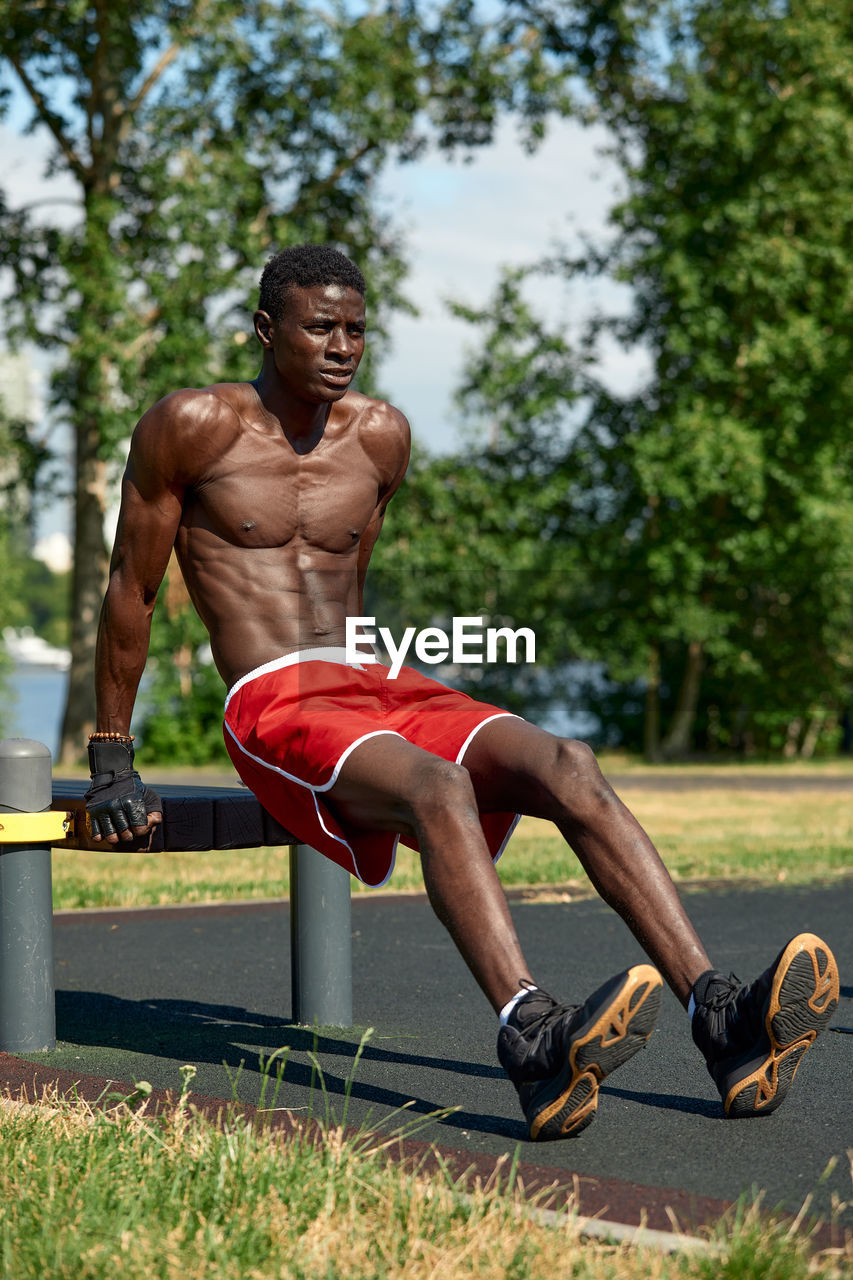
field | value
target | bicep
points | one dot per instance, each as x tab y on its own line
149	518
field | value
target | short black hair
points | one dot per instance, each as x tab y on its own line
301	267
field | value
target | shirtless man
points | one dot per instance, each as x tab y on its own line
273	494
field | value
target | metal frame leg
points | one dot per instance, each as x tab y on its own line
27	995
320	940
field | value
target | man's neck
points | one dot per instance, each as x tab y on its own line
300	420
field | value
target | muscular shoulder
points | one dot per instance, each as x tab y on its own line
179	435
385	435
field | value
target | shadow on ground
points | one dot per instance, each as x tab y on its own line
220	1035
192	1031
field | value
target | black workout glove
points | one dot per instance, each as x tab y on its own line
117	801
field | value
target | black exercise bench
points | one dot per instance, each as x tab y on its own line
195	818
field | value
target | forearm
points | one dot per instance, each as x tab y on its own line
122	649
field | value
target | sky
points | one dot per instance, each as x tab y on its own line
467	221
462	223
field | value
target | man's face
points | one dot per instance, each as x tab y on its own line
318	342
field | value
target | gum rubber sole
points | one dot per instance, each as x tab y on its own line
613	1034
803	996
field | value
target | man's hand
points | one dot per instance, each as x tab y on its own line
118	806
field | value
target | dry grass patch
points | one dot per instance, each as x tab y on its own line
91	1194
793	837
774	837
618	762
82	878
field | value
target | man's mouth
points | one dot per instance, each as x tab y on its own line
338	375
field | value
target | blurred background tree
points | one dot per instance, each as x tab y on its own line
487	532
690	543
713	509
728	563
203	135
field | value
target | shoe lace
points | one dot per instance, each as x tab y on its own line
731	1008
539	1031
721	993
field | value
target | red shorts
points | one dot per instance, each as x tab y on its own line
291	724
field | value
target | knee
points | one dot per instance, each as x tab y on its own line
442	789
575	759
582	787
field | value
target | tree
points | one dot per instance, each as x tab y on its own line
482	533
735	235
715	507
203	134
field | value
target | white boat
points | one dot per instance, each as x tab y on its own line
24	646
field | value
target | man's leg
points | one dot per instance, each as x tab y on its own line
753	1036
389	784
556	1055
517	767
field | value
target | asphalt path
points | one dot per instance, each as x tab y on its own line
140	993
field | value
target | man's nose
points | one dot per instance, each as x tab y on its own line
340	344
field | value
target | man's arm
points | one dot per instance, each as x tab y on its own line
397	444
151	506
148	523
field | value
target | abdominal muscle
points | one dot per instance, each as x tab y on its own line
259	603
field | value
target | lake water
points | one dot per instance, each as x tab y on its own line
32	703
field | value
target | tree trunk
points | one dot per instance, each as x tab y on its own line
676	744
811	735
89	579
91	383
651	720
792	738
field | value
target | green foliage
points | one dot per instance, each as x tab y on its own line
696	538
203	135
12	613
183	694
39	598
482	533
734	466
714	508
523	374
7	593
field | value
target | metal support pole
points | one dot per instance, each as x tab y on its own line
27	999
320	940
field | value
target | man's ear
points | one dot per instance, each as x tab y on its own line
263	329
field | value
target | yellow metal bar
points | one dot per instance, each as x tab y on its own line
40	828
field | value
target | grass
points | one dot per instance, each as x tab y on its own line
793	837
617	762
119	1192
778	837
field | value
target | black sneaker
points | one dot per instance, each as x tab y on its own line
754	1037
556	1055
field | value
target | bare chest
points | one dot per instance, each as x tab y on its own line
263	494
